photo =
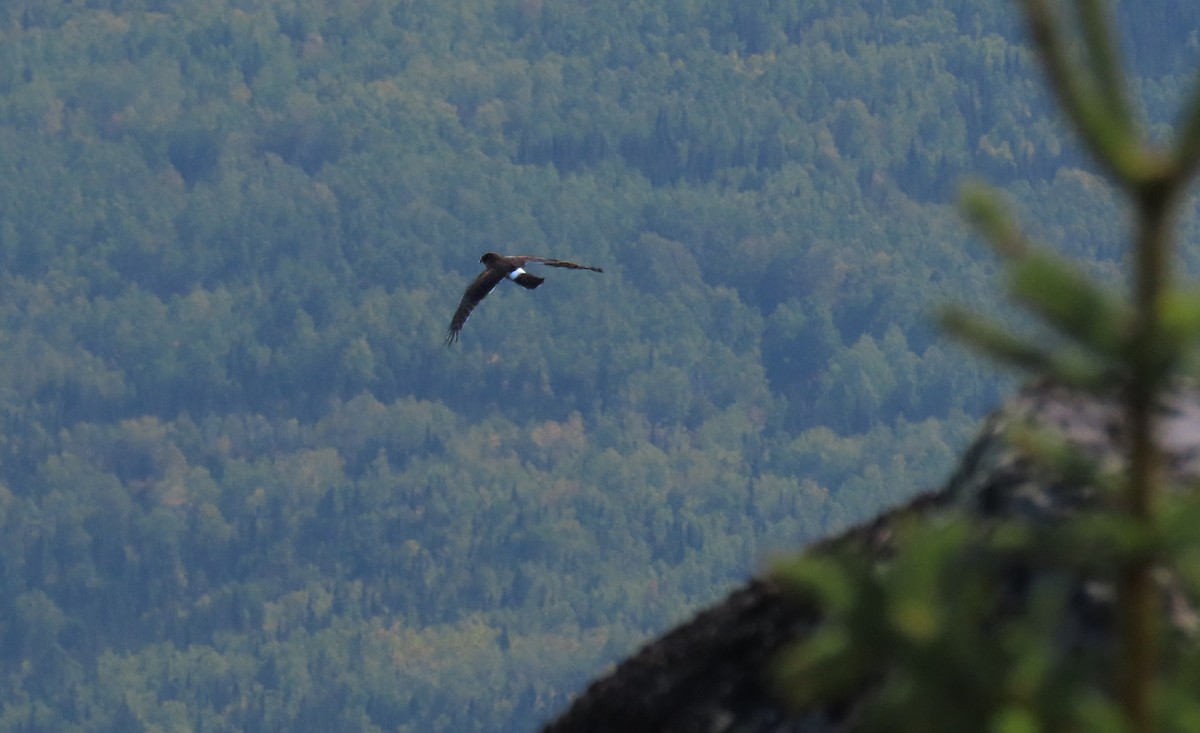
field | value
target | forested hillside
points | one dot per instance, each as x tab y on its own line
243	485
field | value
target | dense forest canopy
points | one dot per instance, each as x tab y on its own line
243	487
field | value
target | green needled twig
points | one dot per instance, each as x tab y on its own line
1095	100
1102	53
1106	131
1139	607
1187	144
982	208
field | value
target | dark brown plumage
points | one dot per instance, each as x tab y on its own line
496	268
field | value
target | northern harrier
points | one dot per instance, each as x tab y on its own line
496	268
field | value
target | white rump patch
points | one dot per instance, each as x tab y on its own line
516	273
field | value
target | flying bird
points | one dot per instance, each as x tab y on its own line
496	267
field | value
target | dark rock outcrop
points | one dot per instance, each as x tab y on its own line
712	674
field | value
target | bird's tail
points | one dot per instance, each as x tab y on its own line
526	280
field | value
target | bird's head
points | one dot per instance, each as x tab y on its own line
489	257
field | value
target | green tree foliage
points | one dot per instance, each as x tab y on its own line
242	485
928	637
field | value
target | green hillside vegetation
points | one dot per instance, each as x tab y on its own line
244	487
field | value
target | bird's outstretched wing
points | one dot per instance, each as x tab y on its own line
475	292
526	259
